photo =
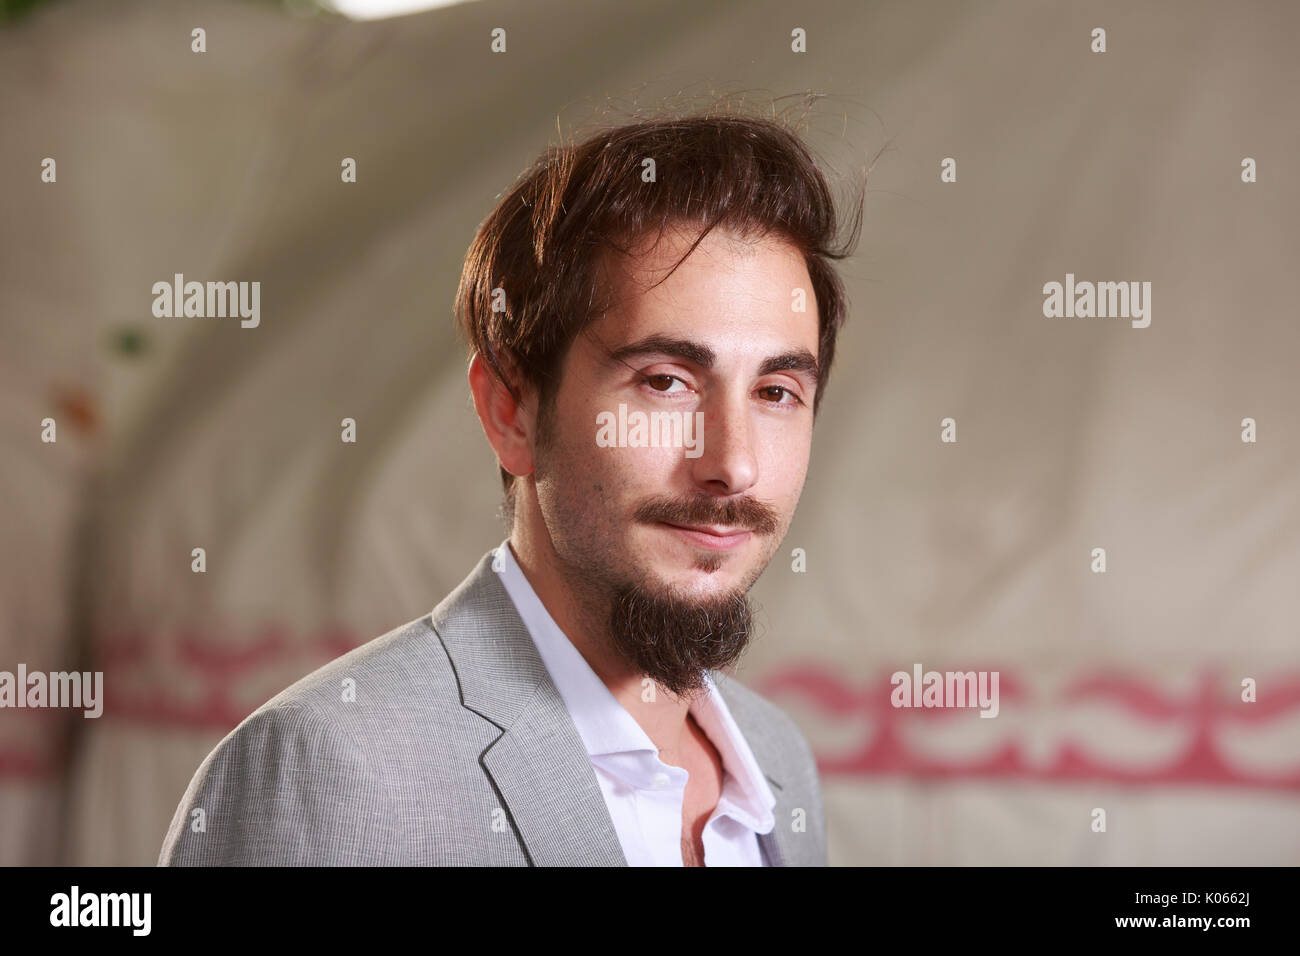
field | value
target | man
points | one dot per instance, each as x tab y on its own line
567	704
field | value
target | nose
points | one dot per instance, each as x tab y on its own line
727	464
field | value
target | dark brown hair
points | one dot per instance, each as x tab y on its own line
543	242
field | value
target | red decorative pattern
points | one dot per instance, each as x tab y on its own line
1200	711
221	676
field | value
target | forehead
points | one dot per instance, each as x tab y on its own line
744	289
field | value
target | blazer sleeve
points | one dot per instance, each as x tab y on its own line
287	787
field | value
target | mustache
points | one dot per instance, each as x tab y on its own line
747	513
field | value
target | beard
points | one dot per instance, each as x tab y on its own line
674	641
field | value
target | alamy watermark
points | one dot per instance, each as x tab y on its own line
637	429
76	908
55	689
211	300
1102	300
946	689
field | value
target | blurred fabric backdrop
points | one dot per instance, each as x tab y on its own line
1120	690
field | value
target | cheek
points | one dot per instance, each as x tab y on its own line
631	475
595	476
786	465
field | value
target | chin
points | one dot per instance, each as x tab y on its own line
671	561
681	576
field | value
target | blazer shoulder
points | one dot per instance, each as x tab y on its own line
314	775
271	792
388	670
368	686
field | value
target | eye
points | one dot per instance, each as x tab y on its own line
777	394
663	382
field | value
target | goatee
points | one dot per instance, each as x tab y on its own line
675	641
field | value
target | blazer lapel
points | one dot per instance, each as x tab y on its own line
539	764
547	782
778	846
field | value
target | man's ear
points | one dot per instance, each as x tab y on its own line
507	423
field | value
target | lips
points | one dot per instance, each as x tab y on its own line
715	537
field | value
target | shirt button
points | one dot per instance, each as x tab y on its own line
659	781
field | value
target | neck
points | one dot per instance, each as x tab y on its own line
581	615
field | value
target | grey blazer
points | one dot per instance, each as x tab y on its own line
454	748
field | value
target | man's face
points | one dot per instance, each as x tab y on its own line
720	344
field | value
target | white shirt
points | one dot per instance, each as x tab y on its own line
645	795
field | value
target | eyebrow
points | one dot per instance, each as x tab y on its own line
693	352
795	360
